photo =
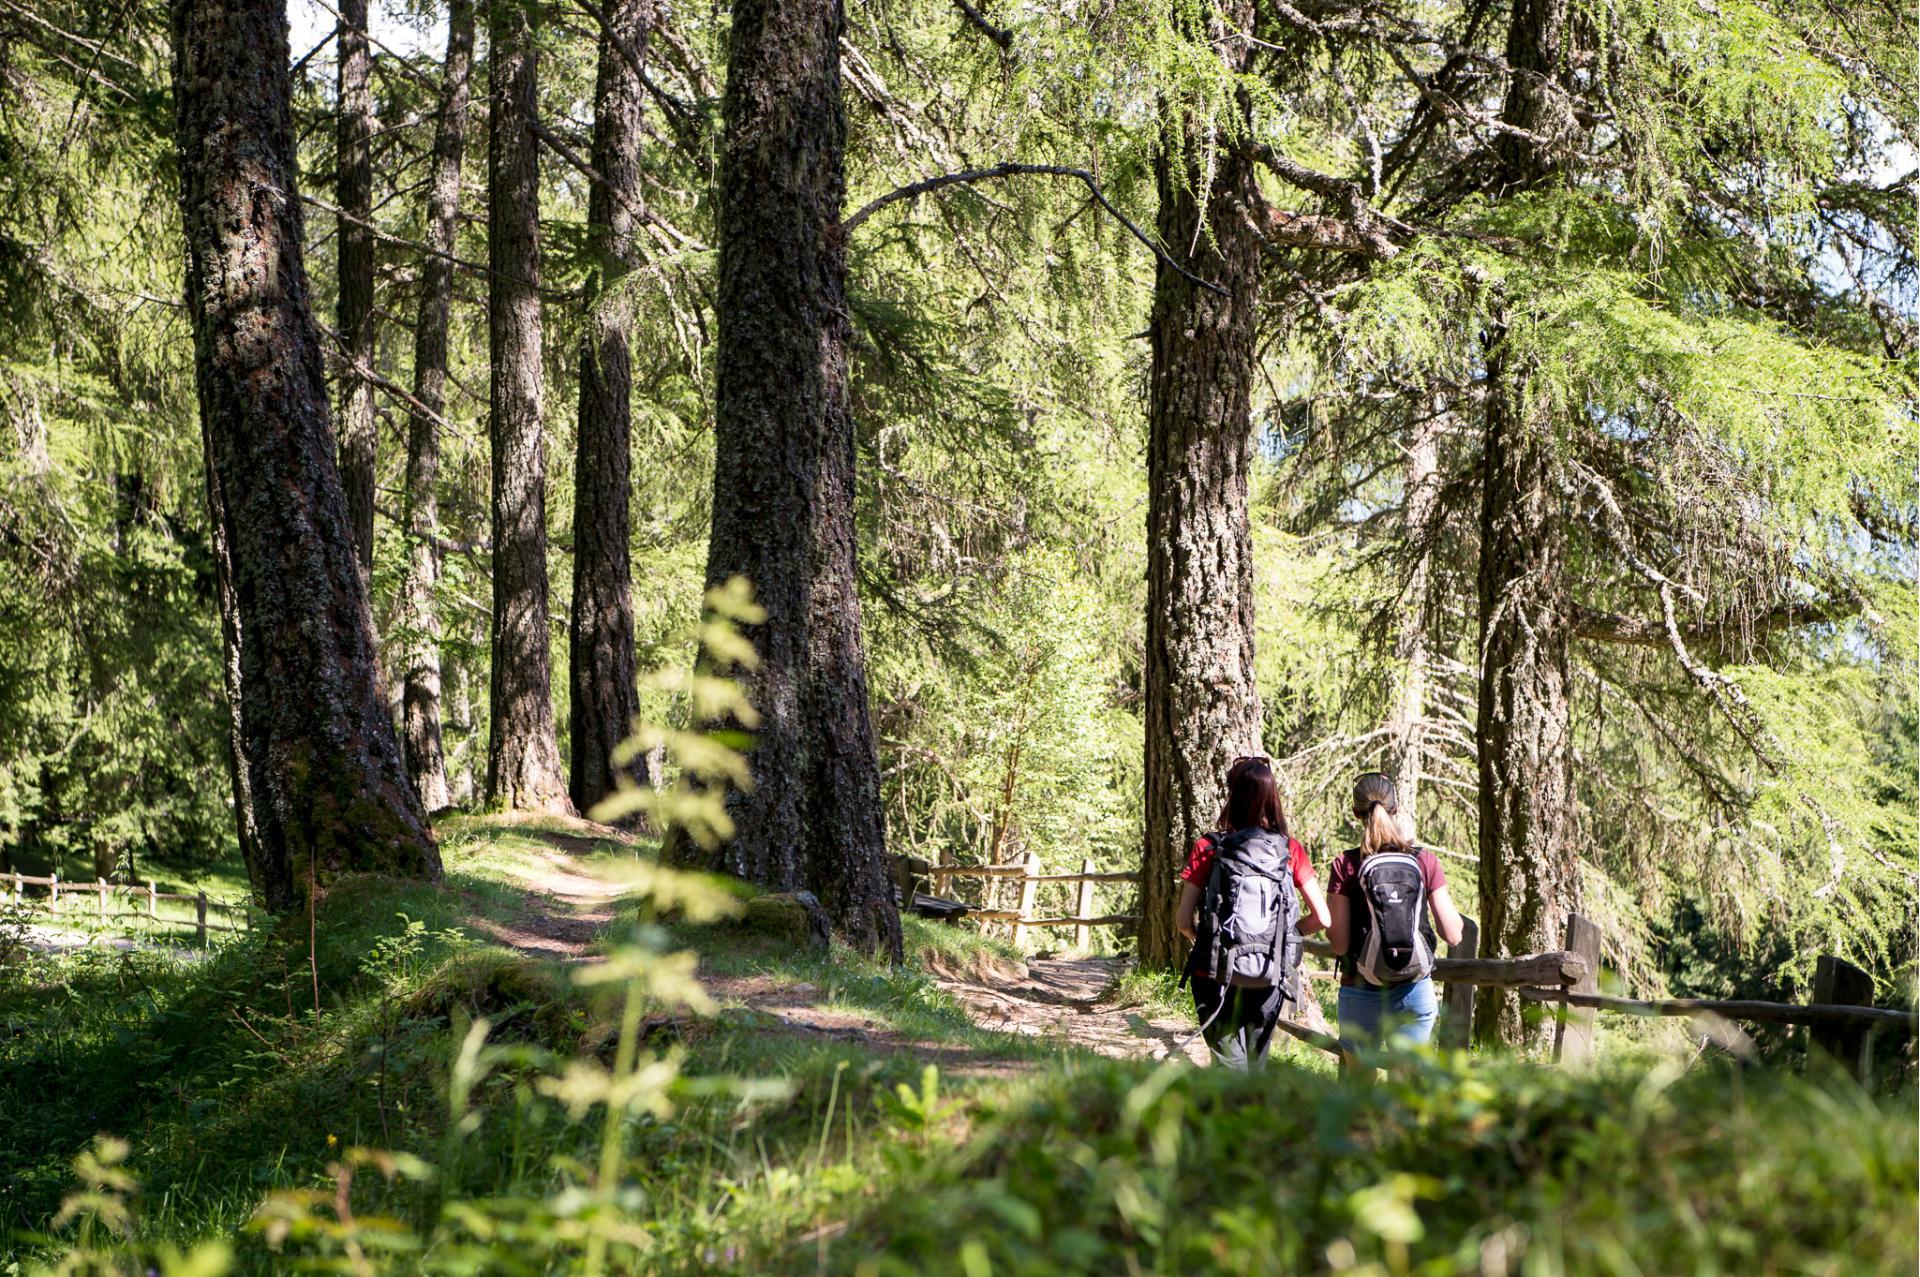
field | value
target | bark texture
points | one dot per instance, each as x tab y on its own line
1421	484
784	464
1202	705
600	634
523	756
319	785
420	691
1529	879
353	193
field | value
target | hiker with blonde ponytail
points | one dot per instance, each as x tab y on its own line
1379	896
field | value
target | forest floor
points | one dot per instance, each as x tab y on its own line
838	1111
1071	1002
1056	1002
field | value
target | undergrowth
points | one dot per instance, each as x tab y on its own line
444	1104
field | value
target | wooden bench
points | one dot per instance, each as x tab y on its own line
907	874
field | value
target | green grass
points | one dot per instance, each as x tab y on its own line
230	1085
1451	1166
785	1149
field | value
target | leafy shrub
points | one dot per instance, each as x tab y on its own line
1444	1168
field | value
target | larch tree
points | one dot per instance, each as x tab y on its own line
784	470
523	753
318	779
605	696
420	621
1529	880
354	242
1202	707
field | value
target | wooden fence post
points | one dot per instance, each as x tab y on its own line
153	901
1456	1018
200	918
1030	867
1837	981
1083	908
1576	1025
100	885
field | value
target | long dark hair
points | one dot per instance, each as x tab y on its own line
1376	805
1252	798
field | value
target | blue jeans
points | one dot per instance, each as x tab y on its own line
1401	1013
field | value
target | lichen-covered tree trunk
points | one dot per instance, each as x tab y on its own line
1202	706
600	633
319	784
783	472
353	192
1529	879
523	755
420	621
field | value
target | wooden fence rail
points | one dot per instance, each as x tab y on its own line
102	890
1838	1018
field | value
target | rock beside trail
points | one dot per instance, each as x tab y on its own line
791	915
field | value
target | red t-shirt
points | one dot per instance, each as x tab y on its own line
1200	862
1343	878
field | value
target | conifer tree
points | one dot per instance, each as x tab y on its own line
1202	705
600	631
420	695
523	754
354	237
783	486
318	781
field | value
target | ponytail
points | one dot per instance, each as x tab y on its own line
1377	807
1380	831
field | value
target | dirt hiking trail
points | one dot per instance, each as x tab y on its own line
1066	1000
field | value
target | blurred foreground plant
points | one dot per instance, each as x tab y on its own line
705	763
586	1215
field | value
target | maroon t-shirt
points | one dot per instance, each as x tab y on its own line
1343	877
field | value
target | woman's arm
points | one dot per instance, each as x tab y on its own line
1446	918
1315	917
1186	913
1339	922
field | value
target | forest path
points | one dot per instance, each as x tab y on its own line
1066	999
564	908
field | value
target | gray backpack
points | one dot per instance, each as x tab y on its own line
1248	931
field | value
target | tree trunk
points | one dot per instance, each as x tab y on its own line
319	784
353	193
604	696
783	473
1529	879
420	694
523	757
1411	655
1202	706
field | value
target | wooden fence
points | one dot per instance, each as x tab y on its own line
908	870
79	910
1840	1019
